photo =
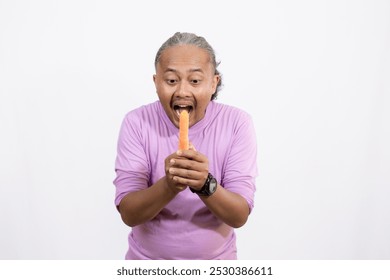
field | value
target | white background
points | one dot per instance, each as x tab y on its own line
315	76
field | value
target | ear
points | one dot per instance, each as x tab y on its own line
155	81
216	80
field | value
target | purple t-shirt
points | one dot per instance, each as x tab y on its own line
185	228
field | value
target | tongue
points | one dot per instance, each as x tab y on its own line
180	109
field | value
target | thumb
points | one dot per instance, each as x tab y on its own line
191	147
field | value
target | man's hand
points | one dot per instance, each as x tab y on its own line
186	168
191	168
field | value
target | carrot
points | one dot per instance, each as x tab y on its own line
183	130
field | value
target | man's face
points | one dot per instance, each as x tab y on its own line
185	80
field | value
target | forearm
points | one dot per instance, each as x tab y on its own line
229	207
141	206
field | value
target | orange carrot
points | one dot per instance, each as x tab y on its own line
183	130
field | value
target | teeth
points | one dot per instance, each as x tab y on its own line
180	108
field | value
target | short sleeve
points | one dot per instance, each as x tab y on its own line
241	166
131	166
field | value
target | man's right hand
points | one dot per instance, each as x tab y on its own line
172	184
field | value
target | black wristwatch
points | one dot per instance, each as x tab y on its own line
209	187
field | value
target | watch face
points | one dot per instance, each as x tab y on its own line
213	185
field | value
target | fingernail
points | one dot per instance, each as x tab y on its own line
179	152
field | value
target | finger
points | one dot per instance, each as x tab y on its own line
180	187
187	173
192	154
196	184
192	147
192	165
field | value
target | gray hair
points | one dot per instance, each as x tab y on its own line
191	39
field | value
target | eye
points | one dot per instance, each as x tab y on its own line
195	81
171	81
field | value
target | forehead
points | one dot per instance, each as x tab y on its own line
184	56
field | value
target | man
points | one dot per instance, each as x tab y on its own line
185	204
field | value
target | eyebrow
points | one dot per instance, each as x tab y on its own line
191	70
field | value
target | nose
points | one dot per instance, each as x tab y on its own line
183	89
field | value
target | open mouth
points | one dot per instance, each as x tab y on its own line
179	108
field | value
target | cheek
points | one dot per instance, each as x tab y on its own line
164	98
163	92
165	89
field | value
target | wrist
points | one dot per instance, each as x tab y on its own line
172	189
209	187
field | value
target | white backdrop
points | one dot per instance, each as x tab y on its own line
315	76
